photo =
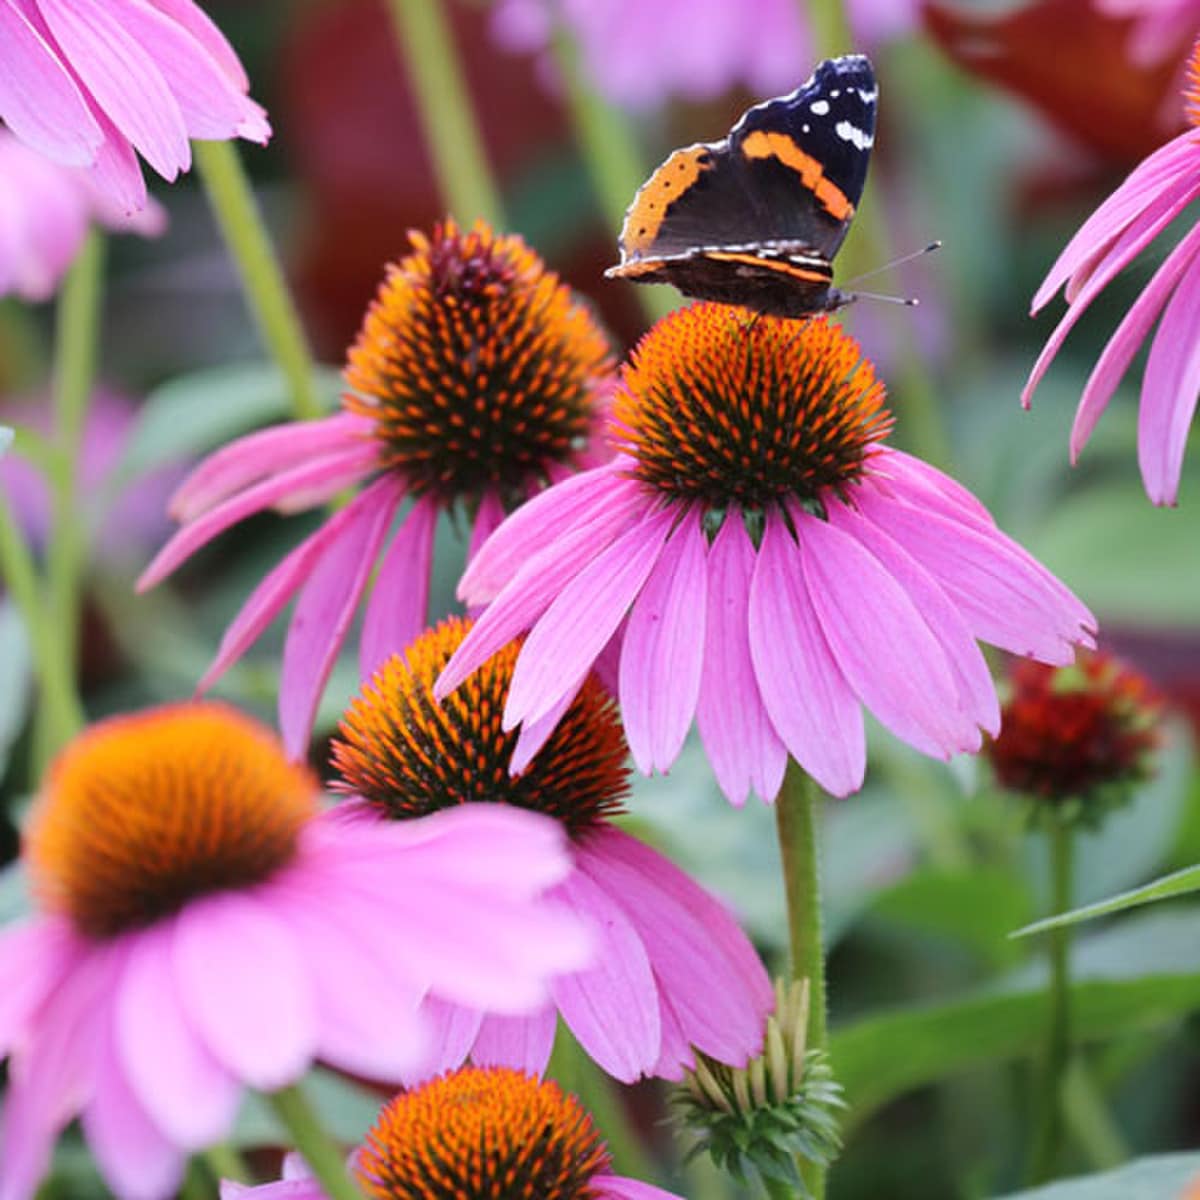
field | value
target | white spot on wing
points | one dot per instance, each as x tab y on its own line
868	96
820	107
851	133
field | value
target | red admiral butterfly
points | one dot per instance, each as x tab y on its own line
757	218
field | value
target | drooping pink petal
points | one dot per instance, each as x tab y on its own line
616	1187
585	614
169	1069
138	1161
601	500
914	480
741	743
535	734
33	957
117	174
324	609
612	1007
881	644
262	495
122	75
268	599
810	704
488	518
399	604
1101	229
39	100
450	1032
247	992
258	455
523	1043
1169	391
1141	231
663	651
293	1189
193	18
691	941
976	690
1116	356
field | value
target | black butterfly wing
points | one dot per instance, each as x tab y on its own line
791	171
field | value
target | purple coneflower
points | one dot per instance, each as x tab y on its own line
673	971
477	378
94	83
474	1135
204	927
1153	195
770	566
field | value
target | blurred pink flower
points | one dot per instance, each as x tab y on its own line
673	969
844	574
45	212
643	54
205	928
1153	195
90	82
458	301
1158	25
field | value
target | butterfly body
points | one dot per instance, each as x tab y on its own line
756	219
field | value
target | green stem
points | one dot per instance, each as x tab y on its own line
196	1184
241	223
1048	1138
611	153
77	334
796	822
830	27
226	1163
313	1144
1087	1117
444	105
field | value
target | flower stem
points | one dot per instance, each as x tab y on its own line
1048	1138
444	104
830	27
796	822
612	157
77	334
226	1163
312	1143
241	223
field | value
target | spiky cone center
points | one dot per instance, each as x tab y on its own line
478	366
482	1134
724	410
408	755
142	813
1077	733
1191	88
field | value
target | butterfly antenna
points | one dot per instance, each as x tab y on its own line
905	301
894	263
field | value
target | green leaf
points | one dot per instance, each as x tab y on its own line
881	1057
16	678
1179	883
198	412
346	1111
1161	1177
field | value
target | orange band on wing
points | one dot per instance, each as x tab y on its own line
761	144
771	264
658	193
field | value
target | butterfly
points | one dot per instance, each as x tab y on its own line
757	218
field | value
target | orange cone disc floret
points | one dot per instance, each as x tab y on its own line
482	1134
478	366
142	813
408	755
1191	89
722	409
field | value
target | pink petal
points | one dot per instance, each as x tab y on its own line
278	586
1116	356
612	1007
262	495
169	1070
193	19
450	1032
136	1159
1159	213
259	455
805	694
122	75
247	991
398	609
663	652
742	745
294	1189
915	481
602	501
33	956
614	1187
116	173
488	519
39	100
881	645
1169	391
567	638
523	1043
691	941
976	690
535	734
